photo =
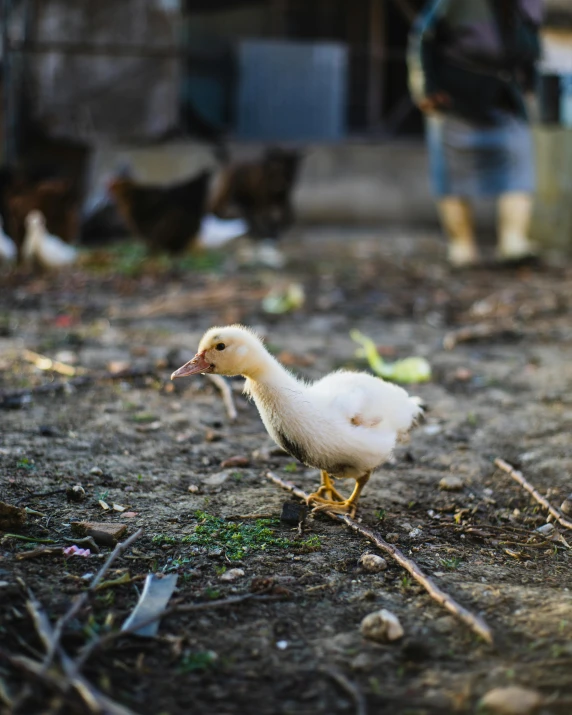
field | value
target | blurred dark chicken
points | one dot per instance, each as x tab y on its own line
168	218
259	191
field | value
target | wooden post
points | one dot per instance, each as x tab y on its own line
278	20
8	129
377	36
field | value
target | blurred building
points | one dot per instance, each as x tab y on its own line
139	80
305	70
140	69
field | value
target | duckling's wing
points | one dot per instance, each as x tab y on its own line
368	401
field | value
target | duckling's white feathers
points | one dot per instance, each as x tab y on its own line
347	423
368	401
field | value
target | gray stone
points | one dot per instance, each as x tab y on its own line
512	700
382	626
372	563
451	483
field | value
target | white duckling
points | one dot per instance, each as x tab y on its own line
345	424
8	250
42	248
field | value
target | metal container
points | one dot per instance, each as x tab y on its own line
291	91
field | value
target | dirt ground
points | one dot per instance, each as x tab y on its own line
158	449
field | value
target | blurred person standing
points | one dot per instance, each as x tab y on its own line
471	63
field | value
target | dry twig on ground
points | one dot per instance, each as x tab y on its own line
350	688
102	641
480	331
518	477
94	701
476	624
42	362
7	397
226	393
81	600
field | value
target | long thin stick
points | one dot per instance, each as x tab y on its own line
101	641
6	396
350	688
95	701
42	362
480	331
518	477
226	393
80	601
476	624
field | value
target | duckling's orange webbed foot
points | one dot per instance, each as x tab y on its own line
341	506
327	489
344	506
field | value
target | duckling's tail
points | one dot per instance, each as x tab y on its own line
422	409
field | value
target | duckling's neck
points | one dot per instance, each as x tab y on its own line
269	375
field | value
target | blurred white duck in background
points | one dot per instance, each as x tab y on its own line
42	248
215	232
8	250
345	424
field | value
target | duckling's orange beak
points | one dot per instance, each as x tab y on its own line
197	364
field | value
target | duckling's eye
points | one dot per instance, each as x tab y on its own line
220	346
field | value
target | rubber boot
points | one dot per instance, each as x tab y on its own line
457	220
514	213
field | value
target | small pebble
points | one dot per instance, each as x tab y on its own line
363	663
381	626
282	645
212	435
215	480
372	563
451	483
444	624
259	584
392	537
463	374
415	533
103	533
96	471
265	454
75	493
193	488
293	512
236	461
512	700
566	506
232	575
545	529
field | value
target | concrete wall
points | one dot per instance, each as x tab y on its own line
342	183
552	223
